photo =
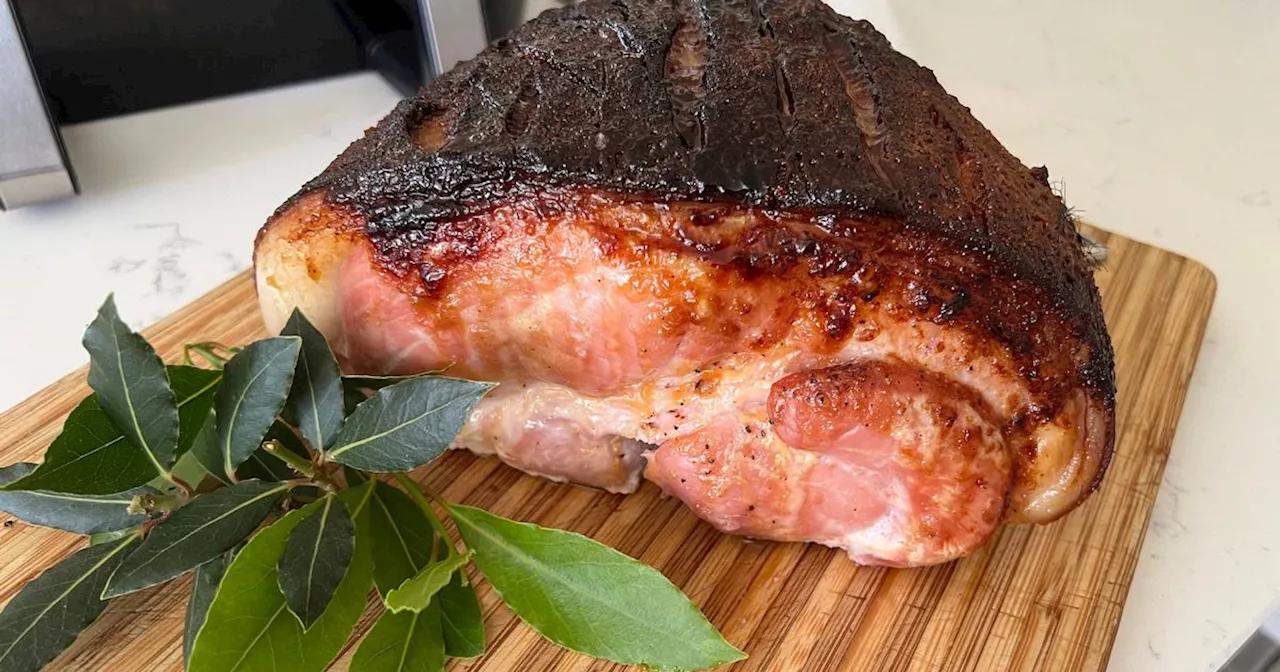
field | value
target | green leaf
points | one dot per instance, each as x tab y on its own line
108	537
200	531
403	542
255	384
248	626
267	467
356	389
316	558
354	476
357	498
460	618
402	537
82	514
260	464
416	593
315	402
195	389
91	455
406	642
188	468
590	598
351	398
406	425
375	383
14	472
132	387
203	587
47	615
204	450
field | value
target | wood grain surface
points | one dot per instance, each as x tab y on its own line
1036	598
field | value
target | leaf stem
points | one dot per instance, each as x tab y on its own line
415	492
156	503
167	476
152	522
206	352
184	486
295	461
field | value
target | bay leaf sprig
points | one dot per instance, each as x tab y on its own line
316	558
133	388
259	473
92	457
557	580
82	514
248	626
48	614
419	592
255	386
203	588
406	425
315	400
202	530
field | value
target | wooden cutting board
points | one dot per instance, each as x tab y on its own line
1036	598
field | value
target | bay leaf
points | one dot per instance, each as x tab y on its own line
47	615
195	390
403	541
352	397
248	627
357	388
264	466
353	477
205	451
254	388
375	383
315	400
416	594
403	545
81	514
203	587
188	469
91	456
402	642
590	598
16	471
108	537
357	499
406	425
461	620
206	527
316	558
132	387
402	537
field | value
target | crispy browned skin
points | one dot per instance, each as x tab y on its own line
784	108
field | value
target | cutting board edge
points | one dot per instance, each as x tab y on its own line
1201	322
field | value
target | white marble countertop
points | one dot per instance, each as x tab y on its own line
1158	116
170	203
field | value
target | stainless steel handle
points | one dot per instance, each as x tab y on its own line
453	31
33	165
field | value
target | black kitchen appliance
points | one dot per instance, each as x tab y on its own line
70	61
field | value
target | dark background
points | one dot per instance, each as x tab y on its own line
99	58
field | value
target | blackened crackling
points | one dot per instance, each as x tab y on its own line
779	106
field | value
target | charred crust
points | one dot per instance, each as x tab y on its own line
598	72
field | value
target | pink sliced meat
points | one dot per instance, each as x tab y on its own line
744	250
